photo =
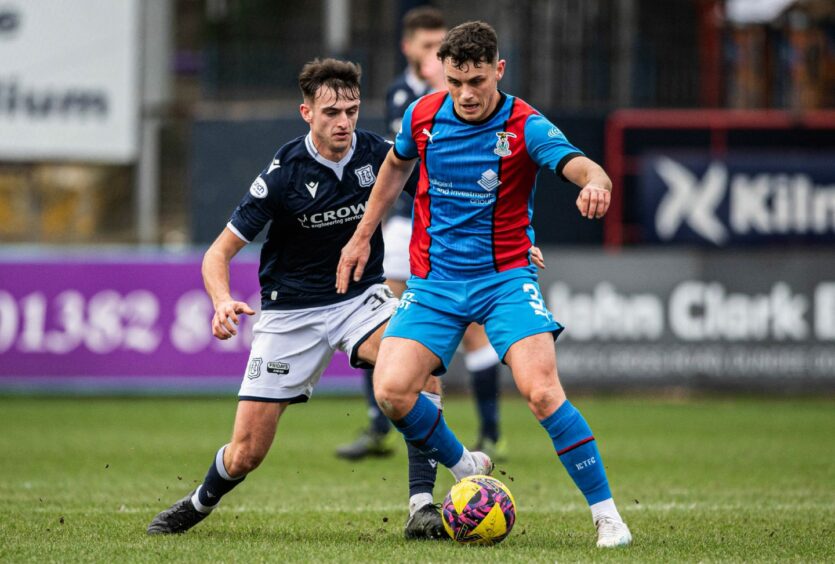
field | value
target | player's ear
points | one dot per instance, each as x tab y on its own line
306	112
500	69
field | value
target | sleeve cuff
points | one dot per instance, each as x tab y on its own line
564	161
234	230
399	156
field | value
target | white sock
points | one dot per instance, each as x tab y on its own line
434	398
605	508
195	500
464	467
419	500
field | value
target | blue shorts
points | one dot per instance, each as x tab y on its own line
435	313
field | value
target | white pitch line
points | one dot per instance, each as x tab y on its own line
562	508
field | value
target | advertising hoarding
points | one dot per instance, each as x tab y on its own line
745	198
69	83
93	324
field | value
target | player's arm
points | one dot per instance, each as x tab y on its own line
391	178
216	279
595	186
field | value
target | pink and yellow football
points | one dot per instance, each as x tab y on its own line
479	510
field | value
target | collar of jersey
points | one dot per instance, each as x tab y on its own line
413	81
339	167
497	109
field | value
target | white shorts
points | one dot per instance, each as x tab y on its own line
292	348
397	233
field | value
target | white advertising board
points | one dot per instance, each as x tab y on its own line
69	80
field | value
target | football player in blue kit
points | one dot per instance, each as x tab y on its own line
479	152
314	191
423	31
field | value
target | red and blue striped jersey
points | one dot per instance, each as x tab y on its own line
474	202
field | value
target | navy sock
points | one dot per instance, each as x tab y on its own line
422	473
379	422
425	428
577	449
486	388
216	484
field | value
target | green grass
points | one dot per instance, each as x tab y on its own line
701	480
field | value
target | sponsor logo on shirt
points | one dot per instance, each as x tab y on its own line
555	132
312	187
429	135
489	180
278	367
339	216
274	165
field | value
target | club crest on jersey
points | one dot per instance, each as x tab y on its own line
258	188
503	144
365	175
489	180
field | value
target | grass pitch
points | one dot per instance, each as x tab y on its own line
701	480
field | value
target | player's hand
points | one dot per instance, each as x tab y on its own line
537	258
593	201
226	318
352	262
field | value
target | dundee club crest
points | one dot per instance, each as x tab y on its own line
365	175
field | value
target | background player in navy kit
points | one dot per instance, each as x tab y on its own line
480	151
314	191
423	31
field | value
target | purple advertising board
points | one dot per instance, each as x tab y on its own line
125	323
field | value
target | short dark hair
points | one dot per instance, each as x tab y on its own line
422	17
470	42
343	77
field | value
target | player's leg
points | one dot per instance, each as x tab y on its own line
372	440
403	366
281	340
255	425
421	338
522	330
483	365
533	364
424	520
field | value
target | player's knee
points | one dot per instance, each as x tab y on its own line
545	400
392	401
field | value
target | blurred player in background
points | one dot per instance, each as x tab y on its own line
480	151
314	190
423	31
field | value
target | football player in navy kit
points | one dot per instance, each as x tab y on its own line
314	191
423	32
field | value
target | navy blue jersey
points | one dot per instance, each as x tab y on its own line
405	89
314	206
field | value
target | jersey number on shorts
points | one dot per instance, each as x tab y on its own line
536	300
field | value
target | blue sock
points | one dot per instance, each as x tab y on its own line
577	449
486	389
424	427
379	422
216	484
422	472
